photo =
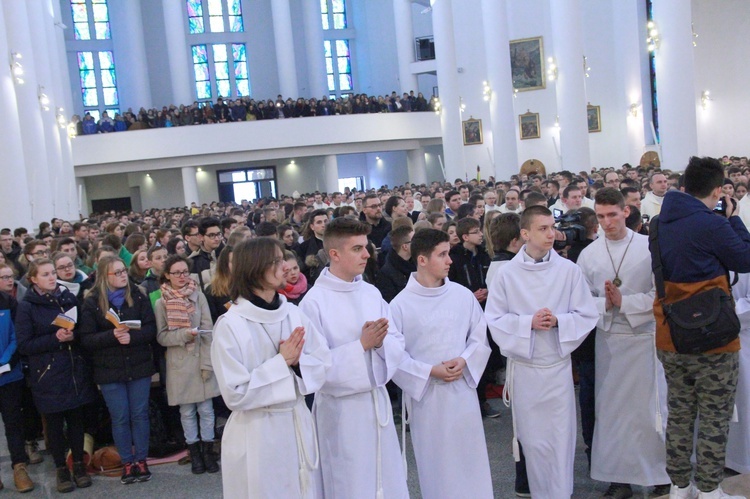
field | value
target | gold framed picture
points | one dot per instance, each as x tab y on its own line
593	114
528	125
472	132
527	64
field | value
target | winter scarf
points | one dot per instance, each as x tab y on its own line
178	304
294	291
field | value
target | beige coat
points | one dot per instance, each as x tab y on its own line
184	365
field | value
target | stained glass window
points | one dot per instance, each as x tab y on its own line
87	13
241	77
195	16
219	15
221	69
202	76
340	73
234	9
333	14
98	80
109	82
88	79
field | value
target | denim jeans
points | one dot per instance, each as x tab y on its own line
189	414
128	407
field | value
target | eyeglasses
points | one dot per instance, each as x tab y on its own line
6	277
118	273
213	235
69	266
193	235
41	253
181	273
279	260
474	232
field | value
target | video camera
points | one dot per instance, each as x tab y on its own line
570	225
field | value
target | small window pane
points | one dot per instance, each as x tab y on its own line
345	82
110	96
89	97
331	84
238	52
344	65
100	12
203	89
196	25
85	60
194	8
222	70
327	48
94	113
342	48
216	24
239	177
108	78
324	6
235	24
112	112
105	60
220	52
339	21
338	6
240	70
88	79
243	88
102	31
222	88
215	8
234	7
82	31
199	53
324	18
80	13
201	72
329	65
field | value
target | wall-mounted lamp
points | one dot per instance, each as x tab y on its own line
16	67
148	175
695	35
200	169
43	98
705	97
653	36
486	91
60	117
437	105
586	67
291	162
377	158
461	104
633	110
515	93
551	69
72	131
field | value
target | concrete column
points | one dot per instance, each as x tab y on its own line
675	78
189	185
416	166
316	61
14	188
331	172
178	50
286	64
130	54
502	115
30	119
447	74
404	44
567	40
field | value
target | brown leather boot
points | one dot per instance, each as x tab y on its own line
21	478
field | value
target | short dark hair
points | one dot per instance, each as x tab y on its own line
465	211
400	235
112	240
189	226
450	194
425	241
634	219
535	198
570	188
588	219
465	225
207	223
341	228
702	176
504	229
531	212
265	229
226	223
390	204
554	182
250	260
609	196
629	190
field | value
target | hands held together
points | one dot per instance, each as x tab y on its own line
449	370
64	335
291	348
373	333
544	319
613	295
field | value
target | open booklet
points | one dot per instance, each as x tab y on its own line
118	323
66	320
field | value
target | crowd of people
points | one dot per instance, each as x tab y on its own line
248	109
425	296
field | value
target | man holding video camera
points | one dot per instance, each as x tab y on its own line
693	251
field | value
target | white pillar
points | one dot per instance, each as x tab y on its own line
189	185
316	62
180	67
675	78
30	118
502	115
450	116
331	172
416	166
404	44
14	188
130	54
286	64
567	38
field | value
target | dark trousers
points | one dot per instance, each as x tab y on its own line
494	364
586	382
32	420
10	408
56	435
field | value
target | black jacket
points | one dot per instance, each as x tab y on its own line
586	351
378	232
216	304
468	269
114	362
394	275
59	376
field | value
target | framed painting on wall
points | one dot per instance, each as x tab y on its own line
593	113
472	132
528	125
527	64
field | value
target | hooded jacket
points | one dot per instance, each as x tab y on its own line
697	248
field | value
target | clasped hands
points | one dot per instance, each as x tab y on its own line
544	319
613	295
373	333
449	370
64	335
123	335
291	348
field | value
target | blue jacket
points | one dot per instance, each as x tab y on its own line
59	376
89	127
8	352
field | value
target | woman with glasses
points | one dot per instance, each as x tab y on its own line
70	277
59	376
184	328
267	355
9	284
123	363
